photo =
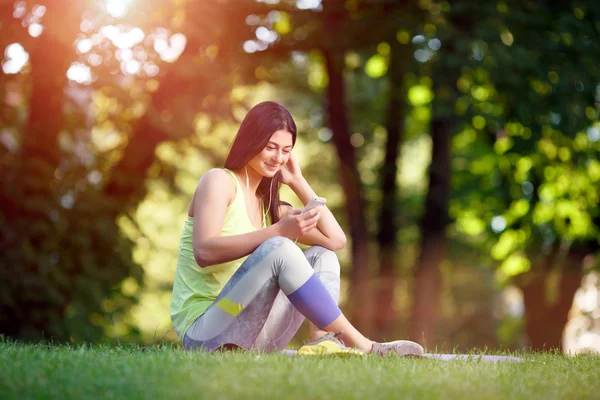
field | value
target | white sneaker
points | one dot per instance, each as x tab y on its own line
399	347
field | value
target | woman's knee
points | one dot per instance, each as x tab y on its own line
281	244
323	260
276	243
279	248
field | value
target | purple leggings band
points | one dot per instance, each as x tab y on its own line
314	301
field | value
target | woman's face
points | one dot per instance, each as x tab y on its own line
274	156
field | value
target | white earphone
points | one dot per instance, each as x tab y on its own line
264	219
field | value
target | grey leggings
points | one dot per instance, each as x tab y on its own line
253	310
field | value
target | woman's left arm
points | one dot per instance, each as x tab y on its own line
328	232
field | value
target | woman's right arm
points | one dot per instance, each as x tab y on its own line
213	194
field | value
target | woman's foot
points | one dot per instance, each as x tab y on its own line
398	347
329	344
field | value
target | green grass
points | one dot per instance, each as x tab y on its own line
166	372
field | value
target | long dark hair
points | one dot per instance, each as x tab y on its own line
258	126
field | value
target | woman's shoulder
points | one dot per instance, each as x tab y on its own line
216	173
215	187
217	183
217	177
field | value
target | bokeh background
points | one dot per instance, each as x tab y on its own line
457	142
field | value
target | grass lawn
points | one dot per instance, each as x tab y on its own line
166	372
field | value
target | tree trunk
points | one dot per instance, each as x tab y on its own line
546	316
427	277
50	58
350	179
27	207
385	316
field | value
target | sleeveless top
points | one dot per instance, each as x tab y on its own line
195	288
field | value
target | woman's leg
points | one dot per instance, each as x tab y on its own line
327	268
238	314
284	320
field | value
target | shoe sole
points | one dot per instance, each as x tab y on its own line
403	349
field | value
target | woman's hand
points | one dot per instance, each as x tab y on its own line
293	224
291	171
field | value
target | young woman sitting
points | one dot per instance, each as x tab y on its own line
241	281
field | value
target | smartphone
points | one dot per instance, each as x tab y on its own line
314	202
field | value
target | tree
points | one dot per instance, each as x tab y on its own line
518	93
68	267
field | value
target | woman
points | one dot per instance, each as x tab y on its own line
241	281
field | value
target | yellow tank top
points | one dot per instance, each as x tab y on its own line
195	288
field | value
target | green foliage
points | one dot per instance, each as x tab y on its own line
68	264
63	261
526	148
